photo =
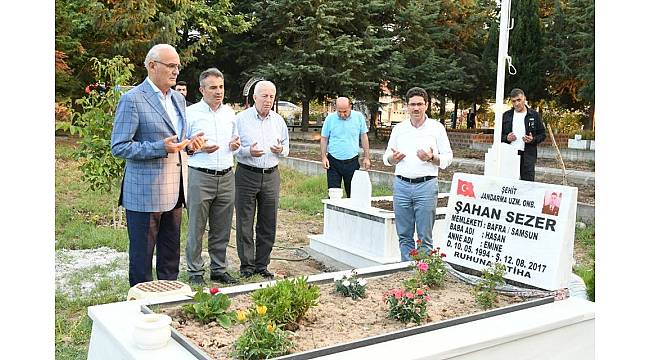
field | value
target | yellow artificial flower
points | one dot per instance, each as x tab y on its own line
241	315
270	327
261	309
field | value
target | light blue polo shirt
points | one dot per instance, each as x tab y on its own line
343	135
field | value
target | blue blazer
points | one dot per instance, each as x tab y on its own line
151	176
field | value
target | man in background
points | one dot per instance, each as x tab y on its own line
181	87
523	128
339	144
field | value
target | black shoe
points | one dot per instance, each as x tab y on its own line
223	277
265	273
246	274
196	280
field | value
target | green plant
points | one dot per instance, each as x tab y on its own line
262	338
484	292
407	306
349	285
429	267
288	300
207	308
94	124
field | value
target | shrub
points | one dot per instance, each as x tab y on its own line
407	306
484	292
207	308
262	339
349	285
288	300
429	267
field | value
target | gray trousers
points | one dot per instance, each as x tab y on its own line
209	198
256	193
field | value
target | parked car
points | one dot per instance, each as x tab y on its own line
288	110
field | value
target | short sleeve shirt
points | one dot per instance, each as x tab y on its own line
343	135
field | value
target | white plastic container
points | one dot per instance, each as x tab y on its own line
335	193
361	189
152	331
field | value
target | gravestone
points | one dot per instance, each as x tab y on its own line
527	226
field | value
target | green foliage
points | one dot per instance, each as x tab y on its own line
585	242
525	47
484	292
562	121
429	267
349	285
407	306
207	308
262	339
288	300
94	123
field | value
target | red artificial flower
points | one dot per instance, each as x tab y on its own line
413	252
442	255
419	242
214	290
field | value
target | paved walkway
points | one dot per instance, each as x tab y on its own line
573	176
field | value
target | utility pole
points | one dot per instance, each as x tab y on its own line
501	159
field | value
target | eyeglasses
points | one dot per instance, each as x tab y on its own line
416	104
170	66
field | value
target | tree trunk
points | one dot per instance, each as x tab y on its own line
441	113
304	124
454	116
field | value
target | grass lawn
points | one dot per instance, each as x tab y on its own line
85	220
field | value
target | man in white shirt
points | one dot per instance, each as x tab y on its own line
523	128
264	139
211	189
417	148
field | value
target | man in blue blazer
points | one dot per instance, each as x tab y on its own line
150	133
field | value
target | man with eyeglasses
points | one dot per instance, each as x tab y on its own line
417	148
523	128
150	133
339	144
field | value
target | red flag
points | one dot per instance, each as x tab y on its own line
465	188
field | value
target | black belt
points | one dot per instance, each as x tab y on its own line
416	180
213	172
356	158
258	170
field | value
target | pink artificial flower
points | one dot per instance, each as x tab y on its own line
427	298
422	266
398	294
419	292
409	295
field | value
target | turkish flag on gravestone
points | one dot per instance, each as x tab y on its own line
465	188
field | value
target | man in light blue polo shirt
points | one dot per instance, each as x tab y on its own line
339	144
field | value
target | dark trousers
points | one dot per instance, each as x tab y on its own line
341	169
159	230
256	193
527	166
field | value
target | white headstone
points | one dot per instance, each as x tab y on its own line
502	160
361	189
527	226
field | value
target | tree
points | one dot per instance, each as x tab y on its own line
525	48
94	124
106	28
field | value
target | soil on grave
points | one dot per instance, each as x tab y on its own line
337	319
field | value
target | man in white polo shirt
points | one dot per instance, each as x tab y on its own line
211	189
417	148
